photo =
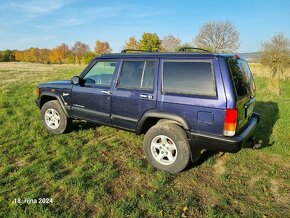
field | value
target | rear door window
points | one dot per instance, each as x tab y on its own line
147	81
242	77
137	75
189	77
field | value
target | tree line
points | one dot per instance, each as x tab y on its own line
81	52
215	36
62	54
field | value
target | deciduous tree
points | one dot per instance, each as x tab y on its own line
132	43
7	55
102	47
218	36
63	51
34	55
54	56
59	54
170	43
71	58
44	56
79	49
150	42
19	55
275	54
87	57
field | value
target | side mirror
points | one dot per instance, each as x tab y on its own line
75	80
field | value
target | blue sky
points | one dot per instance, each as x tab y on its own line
46	24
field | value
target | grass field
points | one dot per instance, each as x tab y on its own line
97	171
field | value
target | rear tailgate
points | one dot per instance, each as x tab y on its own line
244	87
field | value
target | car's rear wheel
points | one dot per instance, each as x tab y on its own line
54	119
167	148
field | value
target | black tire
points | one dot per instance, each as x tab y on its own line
64	121
178	136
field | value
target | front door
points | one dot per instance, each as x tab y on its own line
91	98
134	93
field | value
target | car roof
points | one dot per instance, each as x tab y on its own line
163	55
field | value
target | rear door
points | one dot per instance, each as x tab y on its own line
134	92
244	88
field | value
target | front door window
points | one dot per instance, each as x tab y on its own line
101	74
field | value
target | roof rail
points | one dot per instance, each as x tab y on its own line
140	50
183	49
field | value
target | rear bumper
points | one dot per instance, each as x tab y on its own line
226	144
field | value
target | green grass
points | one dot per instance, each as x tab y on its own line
97	171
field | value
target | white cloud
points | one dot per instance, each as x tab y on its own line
37	7
35	39
92	14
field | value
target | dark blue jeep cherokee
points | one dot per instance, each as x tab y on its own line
183	102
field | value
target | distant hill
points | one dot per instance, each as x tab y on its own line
251	56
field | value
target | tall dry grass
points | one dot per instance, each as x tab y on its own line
273	84
263	71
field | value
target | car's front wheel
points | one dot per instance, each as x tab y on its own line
167	148
54	119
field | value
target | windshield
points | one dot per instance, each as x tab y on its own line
242	77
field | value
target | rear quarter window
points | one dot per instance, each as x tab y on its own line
189	77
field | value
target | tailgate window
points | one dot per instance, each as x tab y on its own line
242	77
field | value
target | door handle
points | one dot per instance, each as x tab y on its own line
146	96
106	92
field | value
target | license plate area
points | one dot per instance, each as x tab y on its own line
249	110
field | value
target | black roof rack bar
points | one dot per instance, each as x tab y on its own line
126	50
183	49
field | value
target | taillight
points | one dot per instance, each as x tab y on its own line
230	123
38	92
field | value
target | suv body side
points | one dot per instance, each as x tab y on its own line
201	116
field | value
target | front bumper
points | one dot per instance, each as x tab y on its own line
37	101
226	144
